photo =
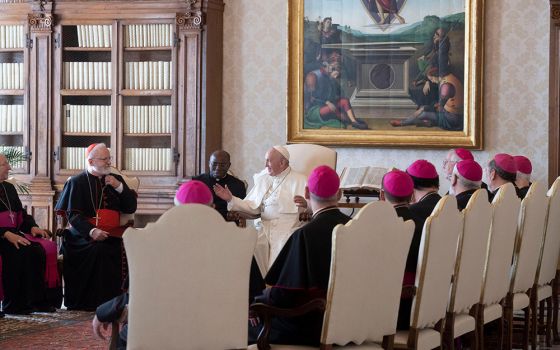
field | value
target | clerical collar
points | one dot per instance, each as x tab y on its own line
283	173
322	210
402	205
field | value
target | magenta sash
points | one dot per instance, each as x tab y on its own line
6	220
1	289
51	264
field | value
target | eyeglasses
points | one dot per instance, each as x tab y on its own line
104	159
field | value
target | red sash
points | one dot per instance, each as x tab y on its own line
52	278
108	220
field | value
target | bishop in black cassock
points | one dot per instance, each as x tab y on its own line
92	246
301	271
29	281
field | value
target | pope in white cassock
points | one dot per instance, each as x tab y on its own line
275	196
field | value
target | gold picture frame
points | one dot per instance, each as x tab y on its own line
390	87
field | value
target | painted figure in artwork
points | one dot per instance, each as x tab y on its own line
447	113
324	103
386	10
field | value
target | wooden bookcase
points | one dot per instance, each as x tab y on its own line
135	75
14	94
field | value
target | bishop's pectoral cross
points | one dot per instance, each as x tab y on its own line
12	217
96	217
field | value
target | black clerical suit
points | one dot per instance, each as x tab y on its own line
111	311
463	199
423	208
403	211
92	269
236	186
23	269
299	274
522	191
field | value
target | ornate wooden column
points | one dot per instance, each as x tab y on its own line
554	94
200	100
40	22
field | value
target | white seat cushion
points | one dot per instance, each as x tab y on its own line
492	312
520	301
464	323
368	346
428	338
544	292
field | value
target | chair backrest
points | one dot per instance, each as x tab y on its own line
436	263
501	242
306	157
530	232
469	267
189	281
367	265
551	242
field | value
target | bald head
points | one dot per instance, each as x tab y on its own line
219	164
275	162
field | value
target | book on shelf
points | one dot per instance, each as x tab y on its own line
11	37
366	178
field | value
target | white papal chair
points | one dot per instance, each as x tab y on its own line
469	269
306	157
542	290
189	281
367	265
435	268
528	242
499	253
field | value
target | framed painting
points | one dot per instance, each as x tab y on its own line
394	73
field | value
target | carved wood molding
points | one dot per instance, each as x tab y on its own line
41	20
555	12
192	18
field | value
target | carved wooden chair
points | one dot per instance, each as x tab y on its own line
542	289
530	232
191	291
433	276
498	257
367	264
469	270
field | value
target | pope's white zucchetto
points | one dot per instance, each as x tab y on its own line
283	151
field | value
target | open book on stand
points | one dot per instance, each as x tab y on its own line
363	178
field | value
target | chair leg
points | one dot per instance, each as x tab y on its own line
507	329
548	324
555	306
526	322
477	311
448	342
533	311
500	333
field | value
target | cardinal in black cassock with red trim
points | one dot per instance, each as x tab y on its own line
92	247
301	271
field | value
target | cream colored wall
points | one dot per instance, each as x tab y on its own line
515	98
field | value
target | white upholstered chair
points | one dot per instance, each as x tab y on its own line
306	157
367	265
498	256
189	281
542	290
433	276
469	269
530	231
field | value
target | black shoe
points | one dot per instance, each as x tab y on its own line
25	311
46	308
1	314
